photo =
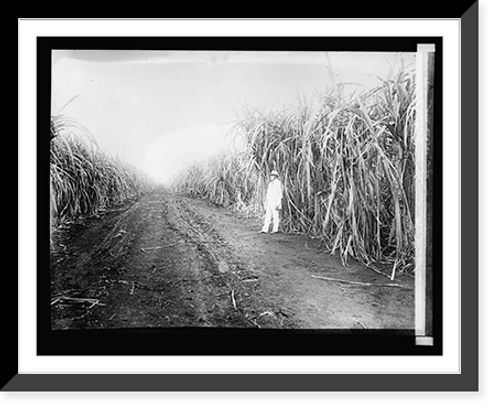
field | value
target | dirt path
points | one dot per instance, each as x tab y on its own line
169	261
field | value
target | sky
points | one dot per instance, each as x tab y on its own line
161	110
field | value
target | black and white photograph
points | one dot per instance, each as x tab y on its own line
241	189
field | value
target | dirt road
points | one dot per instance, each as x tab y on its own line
170	261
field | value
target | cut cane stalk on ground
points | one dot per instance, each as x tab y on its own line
364	284
161	246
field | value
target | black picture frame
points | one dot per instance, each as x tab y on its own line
467	380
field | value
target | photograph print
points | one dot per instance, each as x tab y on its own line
264	198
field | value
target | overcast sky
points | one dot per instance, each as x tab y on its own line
161	109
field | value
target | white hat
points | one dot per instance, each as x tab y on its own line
274	172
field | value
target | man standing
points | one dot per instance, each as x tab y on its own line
273	203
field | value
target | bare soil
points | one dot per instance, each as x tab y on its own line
170	261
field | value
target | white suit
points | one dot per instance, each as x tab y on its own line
273	205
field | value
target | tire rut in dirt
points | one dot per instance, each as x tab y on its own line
212	265
244	282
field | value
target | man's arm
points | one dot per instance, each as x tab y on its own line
280	194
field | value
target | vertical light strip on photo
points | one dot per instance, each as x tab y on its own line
423	132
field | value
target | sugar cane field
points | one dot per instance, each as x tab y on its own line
149	232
